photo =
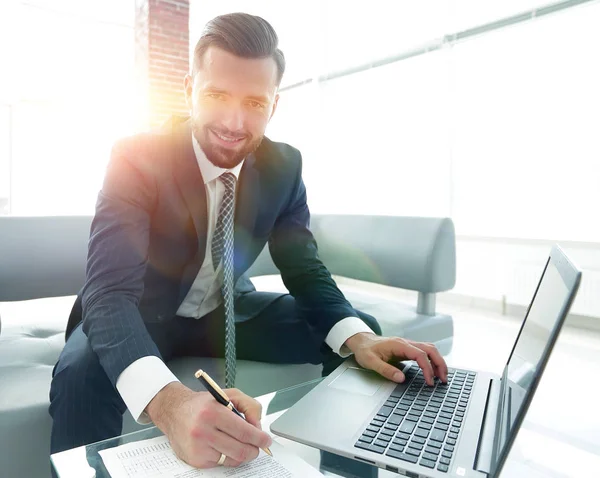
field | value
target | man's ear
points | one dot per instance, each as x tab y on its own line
188	84
274	106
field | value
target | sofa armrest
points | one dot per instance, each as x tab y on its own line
414	253
42	256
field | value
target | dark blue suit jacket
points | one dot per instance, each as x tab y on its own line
148	240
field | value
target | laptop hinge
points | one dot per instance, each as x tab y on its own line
485	446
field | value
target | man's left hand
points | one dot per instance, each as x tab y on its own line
374	353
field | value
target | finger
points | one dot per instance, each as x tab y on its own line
241	430
237	451
440	374
385	369
437	361
420	356
215	456
247	405
231	463
202	456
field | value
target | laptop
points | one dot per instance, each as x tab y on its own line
463	428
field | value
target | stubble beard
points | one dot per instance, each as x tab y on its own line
221	156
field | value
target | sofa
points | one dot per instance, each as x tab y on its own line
42	266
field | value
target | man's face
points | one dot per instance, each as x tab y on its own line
231	101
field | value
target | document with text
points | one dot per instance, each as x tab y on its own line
154	458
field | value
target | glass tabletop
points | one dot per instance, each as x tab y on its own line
78	461
534	454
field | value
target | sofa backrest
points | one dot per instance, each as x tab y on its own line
414	253
46	256
42	256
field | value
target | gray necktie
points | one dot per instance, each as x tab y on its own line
222	249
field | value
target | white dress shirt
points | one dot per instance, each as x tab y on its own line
144	378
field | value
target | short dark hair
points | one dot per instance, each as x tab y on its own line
243	35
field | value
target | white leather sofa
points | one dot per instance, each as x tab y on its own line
42	266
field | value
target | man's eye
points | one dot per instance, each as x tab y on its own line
216	96
255	104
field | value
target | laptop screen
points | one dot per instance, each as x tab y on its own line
532	348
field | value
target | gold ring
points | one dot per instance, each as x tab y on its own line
221	460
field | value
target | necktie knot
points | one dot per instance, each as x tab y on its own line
228	180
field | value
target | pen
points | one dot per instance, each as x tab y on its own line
220	396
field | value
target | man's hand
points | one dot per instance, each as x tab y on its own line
200	429
374	352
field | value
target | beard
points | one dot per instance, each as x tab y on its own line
221	156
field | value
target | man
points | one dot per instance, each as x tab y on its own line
166	249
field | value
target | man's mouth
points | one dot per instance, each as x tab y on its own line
227	138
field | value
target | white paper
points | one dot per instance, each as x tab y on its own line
154	458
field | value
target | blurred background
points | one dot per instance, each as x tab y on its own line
485	112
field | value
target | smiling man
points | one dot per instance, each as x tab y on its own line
182	214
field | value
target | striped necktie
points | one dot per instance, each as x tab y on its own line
222	249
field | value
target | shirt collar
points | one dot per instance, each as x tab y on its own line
209	171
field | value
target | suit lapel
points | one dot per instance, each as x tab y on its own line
191	185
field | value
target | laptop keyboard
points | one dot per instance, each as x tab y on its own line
421	424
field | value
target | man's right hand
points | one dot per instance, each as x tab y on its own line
200	429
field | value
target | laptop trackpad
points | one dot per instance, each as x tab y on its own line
357	380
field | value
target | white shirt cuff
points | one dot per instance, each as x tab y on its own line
342	331
139	383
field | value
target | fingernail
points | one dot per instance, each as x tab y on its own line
398	377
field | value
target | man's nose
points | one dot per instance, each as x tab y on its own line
233	119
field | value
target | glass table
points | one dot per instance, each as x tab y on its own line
76	463
534	454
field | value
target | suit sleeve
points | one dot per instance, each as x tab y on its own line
294	252
117	258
